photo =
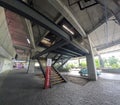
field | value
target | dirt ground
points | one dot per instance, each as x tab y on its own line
76	80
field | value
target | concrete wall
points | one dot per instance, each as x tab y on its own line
116	71
7	51
6	47
5	64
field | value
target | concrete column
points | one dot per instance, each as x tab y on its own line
101	61
31	66
79	62
92	75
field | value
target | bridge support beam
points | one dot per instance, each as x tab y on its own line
31	66
101	62
92	75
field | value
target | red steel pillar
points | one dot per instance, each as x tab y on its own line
48	72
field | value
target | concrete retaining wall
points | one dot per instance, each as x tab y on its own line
117	71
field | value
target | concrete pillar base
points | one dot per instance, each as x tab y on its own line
92	75
31	67
101	61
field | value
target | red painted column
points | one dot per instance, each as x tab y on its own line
48	72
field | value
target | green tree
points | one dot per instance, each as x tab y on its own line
97	63
83	64
106	63
113	62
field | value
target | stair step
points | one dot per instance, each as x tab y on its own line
54	74
56	79
56	82
53	71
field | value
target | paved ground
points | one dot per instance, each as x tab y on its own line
23	89
110	76
72	73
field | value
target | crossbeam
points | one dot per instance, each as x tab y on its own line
110	44
57	59
63	63
64	53
53	47
70	51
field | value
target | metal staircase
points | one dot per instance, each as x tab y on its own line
55	76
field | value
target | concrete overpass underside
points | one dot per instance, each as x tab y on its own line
33	30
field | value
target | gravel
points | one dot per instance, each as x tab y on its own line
19	88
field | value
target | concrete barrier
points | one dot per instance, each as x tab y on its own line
116	71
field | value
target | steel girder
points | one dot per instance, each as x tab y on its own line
26	11
57	59
53	47
43	72
64	53
70	51
110	44
63	63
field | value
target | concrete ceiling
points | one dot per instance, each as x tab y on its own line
17	29
92	20
110	49
44	7
88	18
89	21
107	36
6	46
19	34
